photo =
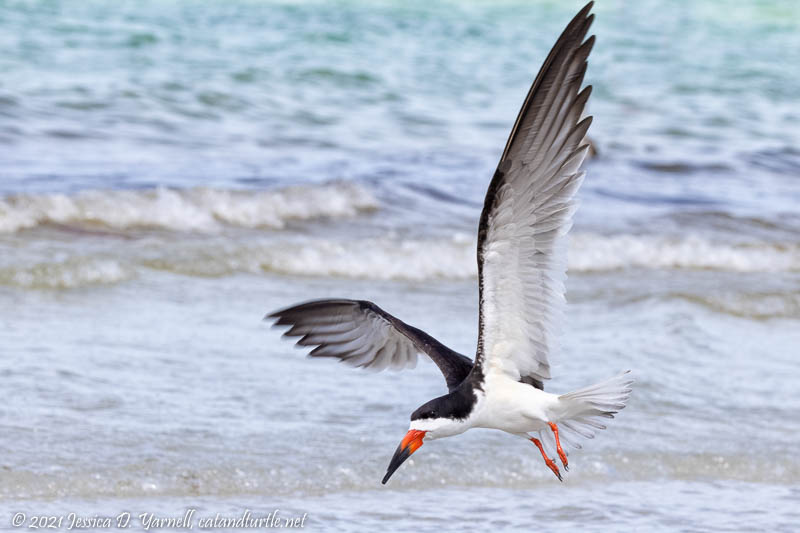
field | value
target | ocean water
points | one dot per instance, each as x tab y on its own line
172	171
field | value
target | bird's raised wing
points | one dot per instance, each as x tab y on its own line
361	334
527	213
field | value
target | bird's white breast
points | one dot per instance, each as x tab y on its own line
512	406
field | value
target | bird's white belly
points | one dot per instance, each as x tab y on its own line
512	406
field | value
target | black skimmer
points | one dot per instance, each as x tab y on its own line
521	270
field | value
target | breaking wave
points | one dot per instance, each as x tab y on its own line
451	258
199	209
69	274
365	259
454	258
589	252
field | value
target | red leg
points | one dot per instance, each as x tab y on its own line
560	450
549	462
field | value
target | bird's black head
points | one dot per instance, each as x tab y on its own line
456	406
441	417
428	410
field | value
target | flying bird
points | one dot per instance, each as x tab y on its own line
521	271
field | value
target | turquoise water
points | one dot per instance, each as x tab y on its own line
171	171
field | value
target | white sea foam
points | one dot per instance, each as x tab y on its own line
590	252
70	274
450	258
198	209
454	258
381	259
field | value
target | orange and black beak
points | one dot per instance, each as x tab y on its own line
410	443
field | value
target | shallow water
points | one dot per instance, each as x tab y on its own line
171	172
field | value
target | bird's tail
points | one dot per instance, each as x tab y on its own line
585	409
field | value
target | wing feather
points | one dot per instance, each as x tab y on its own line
362	334
528	212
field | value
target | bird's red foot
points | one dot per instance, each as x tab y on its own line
549	462
561	454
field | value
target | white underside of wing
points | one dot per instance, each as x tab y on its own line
528	212
524	268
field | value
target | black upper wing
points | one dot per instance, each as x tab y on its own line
361	334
